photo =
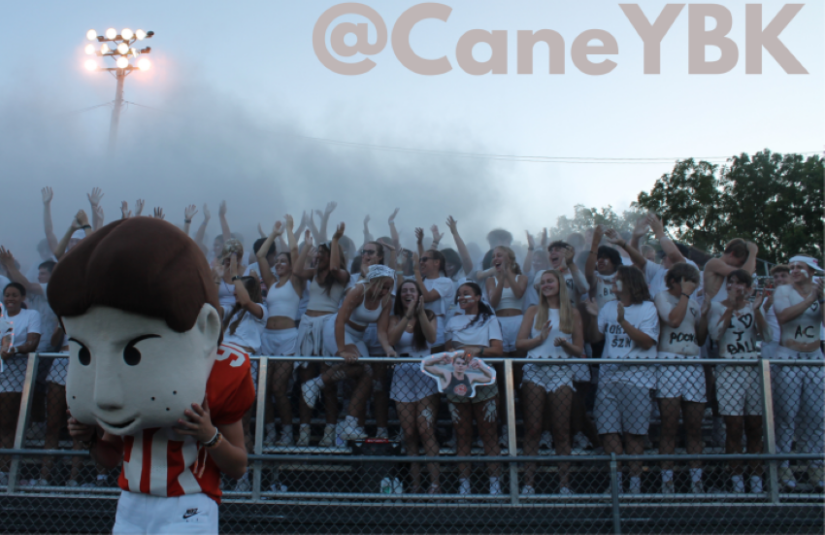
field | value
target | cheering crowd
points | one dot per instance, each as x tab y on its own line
600	295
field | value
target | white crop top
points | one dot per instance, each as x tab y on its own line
508	299
283	301
405	347
548	350
363	316
320	301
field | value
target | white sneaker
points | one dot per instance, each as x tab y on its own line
310	391
786	477
382	432
580	441
756	485
505	438
72	483
635	485
738	484
479	444
565	491
696	487
546	441
464	486
286	439
668	487
270	433
352	431
304	434
243	484
328	440
495	488
527	490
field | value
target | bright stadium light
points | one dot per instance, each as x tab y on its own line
119	51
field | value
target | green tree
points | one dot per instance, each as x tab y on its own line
774	200
587	218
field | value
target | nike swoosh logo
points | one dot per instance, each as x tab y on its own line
188	515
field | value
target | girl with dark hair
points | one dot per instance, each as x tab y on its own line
680	388
431	276
26	338
629	326
735	324
478	333
245	322
329	280
552	329
283	297
411	332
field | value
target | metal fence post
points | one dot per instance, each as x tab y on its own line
614	494
23	418
260	418
512	451
768	428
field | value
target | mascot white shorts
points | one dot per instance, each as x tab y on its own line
143	513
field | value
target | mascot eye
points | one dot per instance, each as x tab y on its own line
131	354
83	355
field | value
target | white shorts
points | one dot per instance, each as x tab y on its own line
510	326
351	337
737	391
686	382
622	408
58	371
280	343
14	374
141	513
410	384
550	377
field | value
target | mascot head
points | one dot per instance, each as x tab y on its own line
140	308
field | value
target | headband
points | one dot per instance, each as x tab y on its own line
810	262
380	270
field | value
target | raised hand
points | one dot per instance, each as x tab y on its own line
367	223
386	245
159	213
416	262
206	213
419	235
339	231
290	223
47	195
81	219
452	224
308	237
655	224
436	235
544	240
95	196
331	206
222	209
569	254
640	229
598	233
189	212
531	242
614	237
139	207
6	257
124	210
391	219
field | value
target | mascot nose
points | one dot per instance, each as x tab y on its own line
108	390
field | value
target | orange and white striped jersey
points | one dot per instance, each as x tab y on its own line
161	462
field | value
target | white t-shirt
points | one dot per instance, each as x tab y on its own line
618	345
655	277
249	330
739	340
48	319
804	328
444	287
682	339
604	289
773	322
460	332
25	323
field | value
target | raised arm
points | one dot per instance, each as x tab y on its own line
429	295
80	221
578	277
125	213
531	246
396	239
638	260
436	237
199	235
227	235
463	252
419	240
266	272
335	271
590	264
7	260
241	295
324	216
94	201
367	236
188	213
48	195
639	231
667	245
299	268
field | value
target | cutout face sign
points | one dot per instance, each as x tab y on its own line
129	372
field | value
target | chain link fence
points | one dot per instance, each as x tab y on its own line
584	446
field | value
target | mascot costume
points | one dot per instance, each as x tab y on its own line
149	383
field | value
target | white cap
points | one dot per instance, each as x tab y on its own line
811	262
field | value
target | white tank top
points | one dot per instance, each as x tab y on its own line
283	301
405	347
320	301
547	349
508	299
363	316
226	295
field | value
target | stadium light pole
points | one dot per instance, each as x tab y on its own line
119	47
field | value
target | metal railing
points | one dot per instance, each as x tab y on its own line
345	470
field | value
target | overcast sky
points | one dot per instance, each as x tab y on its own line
237	91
